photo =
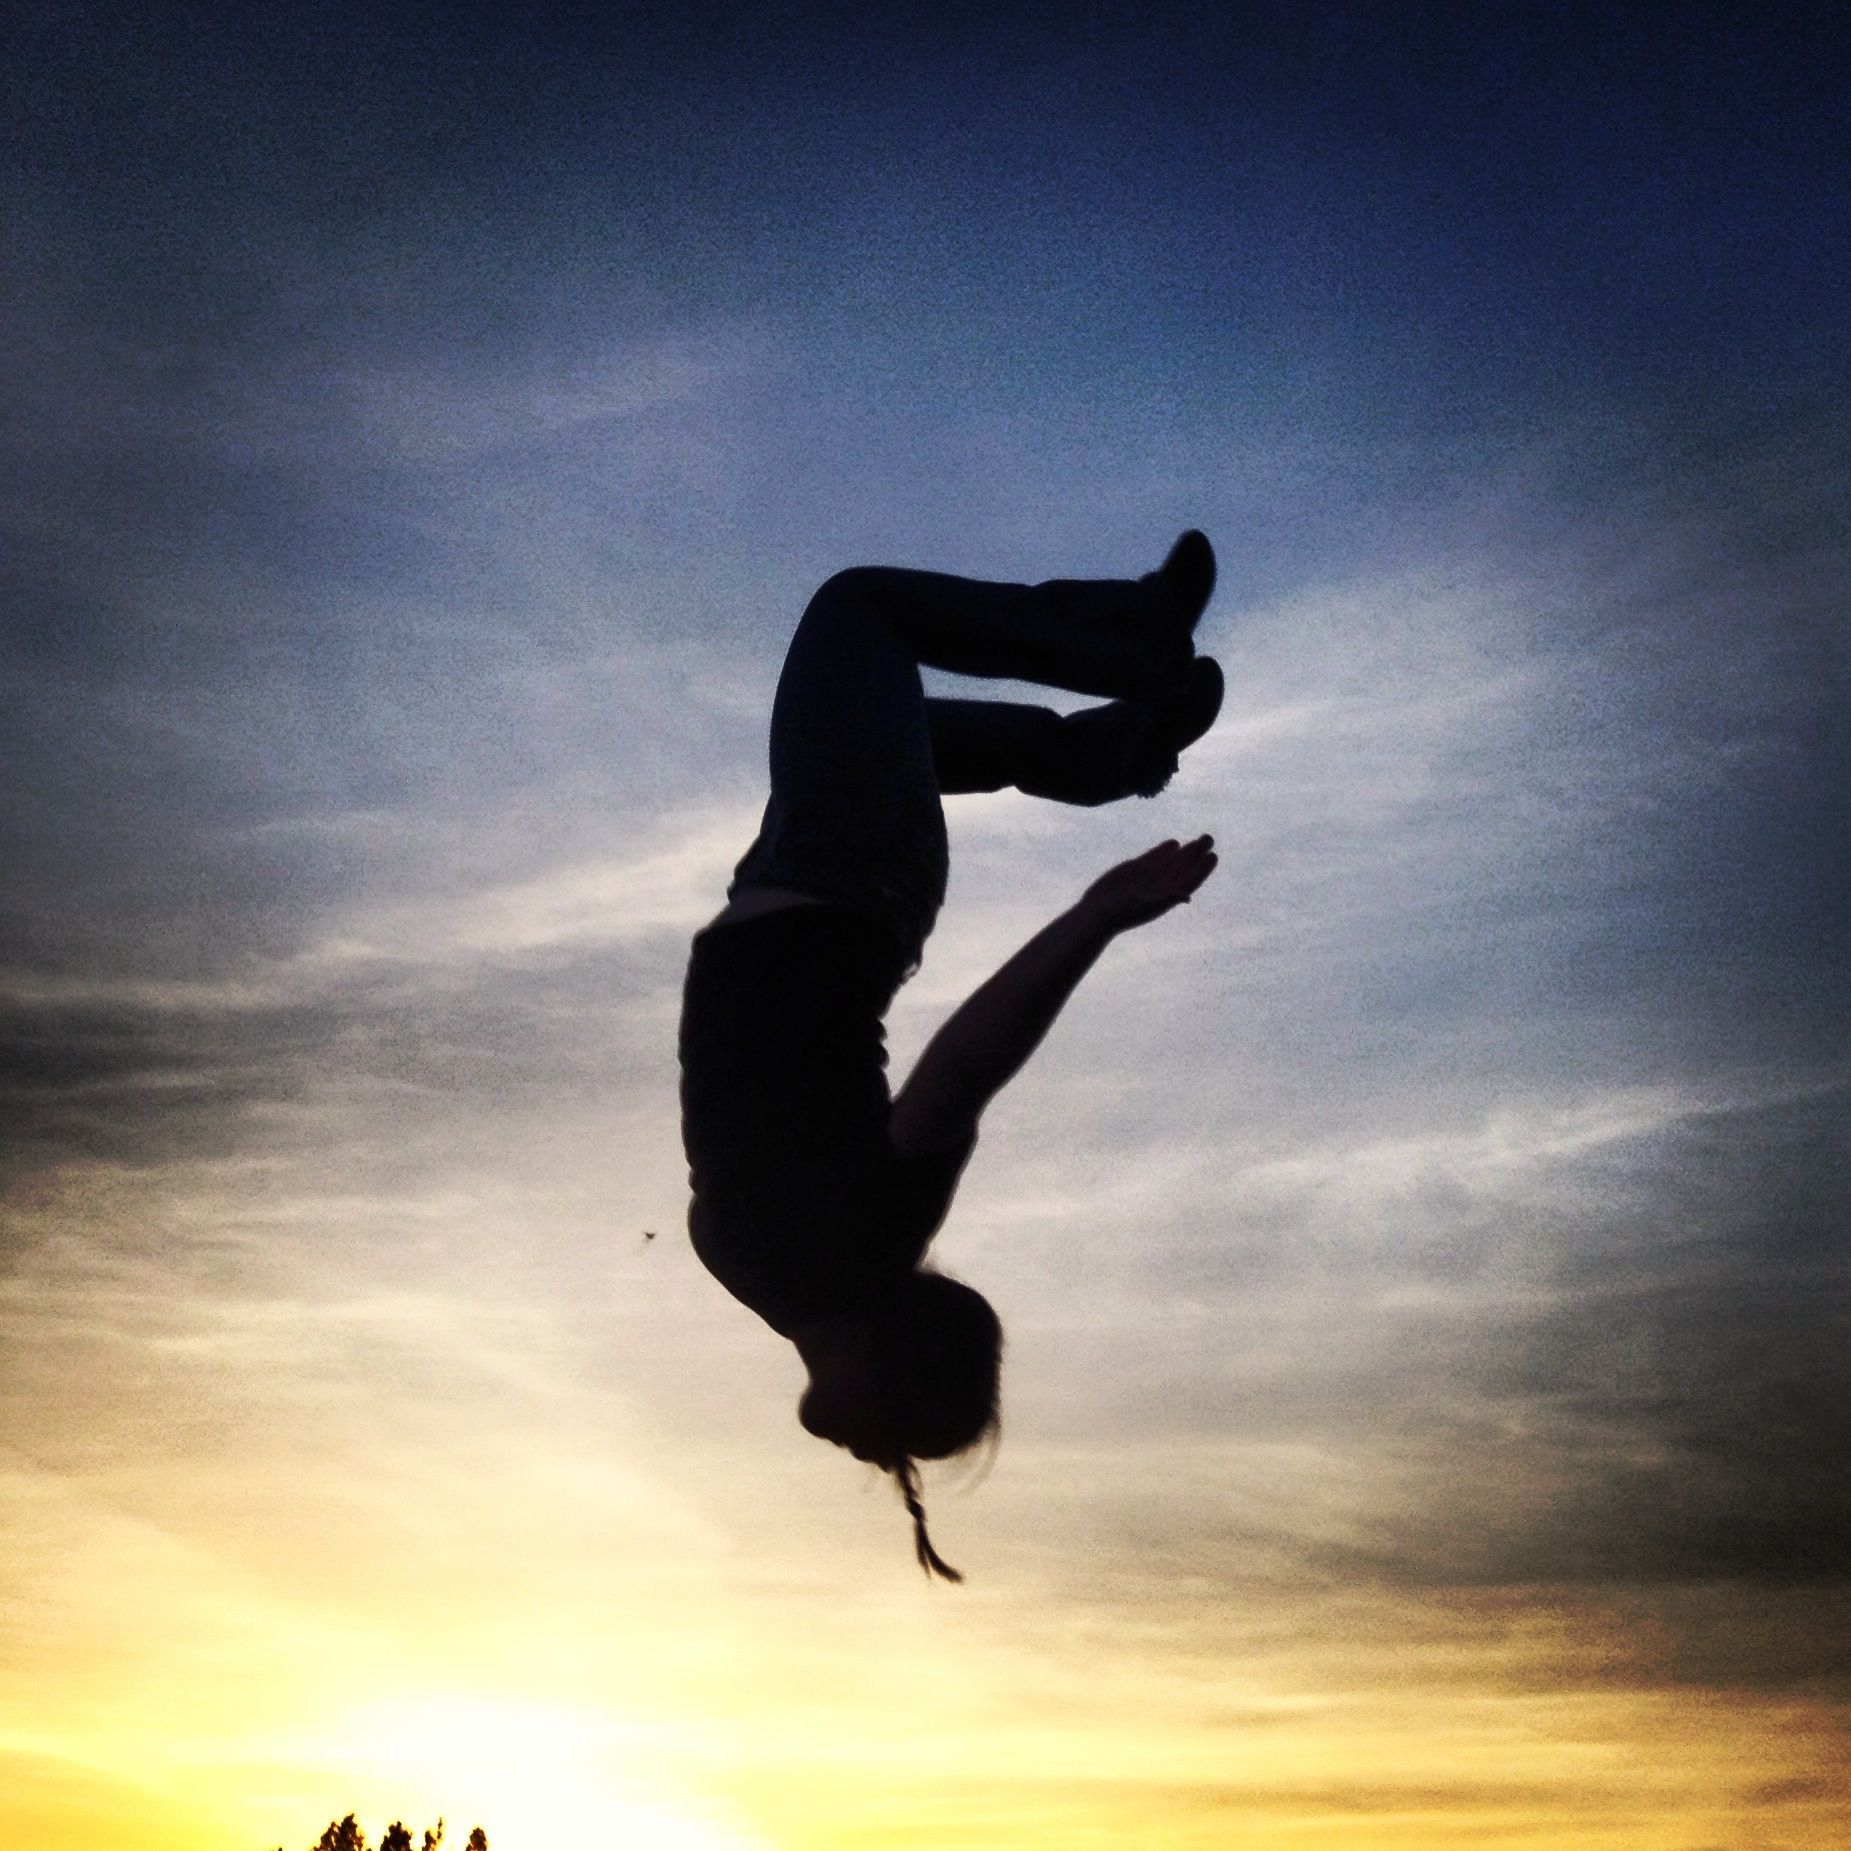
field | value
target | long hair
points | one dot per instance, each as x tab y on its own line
939	1350
906	1477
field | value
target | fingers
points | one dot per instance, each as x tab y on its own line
1164	850
1187	854
1192	864
1174	870
1164	876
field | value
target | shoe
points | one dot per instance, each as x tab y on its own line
1126	748
1180	716
1188	576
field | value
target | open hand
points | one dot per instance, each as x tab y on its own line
1149	885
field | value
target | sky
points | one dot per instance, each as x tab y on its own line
1423	1259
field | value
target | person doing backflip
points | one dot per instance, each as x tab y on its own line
815	1193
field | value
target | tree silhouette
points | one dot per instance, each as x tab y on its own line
346	1835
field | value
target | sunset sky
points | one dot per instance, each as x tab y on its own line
1423	1258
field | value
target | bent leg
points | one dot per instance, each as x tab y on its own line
1088	758
989	745
1095	756
1110	637
854	815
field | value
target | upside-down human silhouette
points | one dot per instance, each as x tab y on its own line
815	1194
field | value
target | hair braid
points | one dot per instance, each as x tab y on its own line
907	1476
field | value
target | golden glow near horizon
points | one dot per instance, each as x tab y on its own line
710	1707
284	1544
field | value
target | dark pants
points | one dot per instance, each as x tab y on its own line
860	756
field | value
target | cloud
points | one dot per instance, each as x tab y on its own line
1597	1346
453	993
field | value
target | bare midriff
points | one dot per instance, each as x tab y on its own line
755	902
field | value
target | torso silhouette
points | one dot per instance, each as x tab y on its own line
801	1207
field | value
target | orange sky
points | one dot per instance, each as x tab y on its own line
537	1545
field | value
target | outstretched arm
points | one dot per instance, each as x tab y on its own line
985	1042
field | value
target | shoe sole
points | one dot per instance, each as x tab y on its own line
1194	707
1189	710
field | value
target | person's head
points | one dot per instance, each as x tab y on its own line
919	1381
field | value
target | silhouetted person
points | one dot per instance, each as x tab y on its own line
815	1195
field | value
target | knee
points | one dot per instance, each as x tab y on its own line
853	592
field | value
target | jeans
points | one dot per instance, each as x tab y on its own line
860	755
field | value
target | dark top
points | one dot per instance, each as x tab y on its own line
801	1209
